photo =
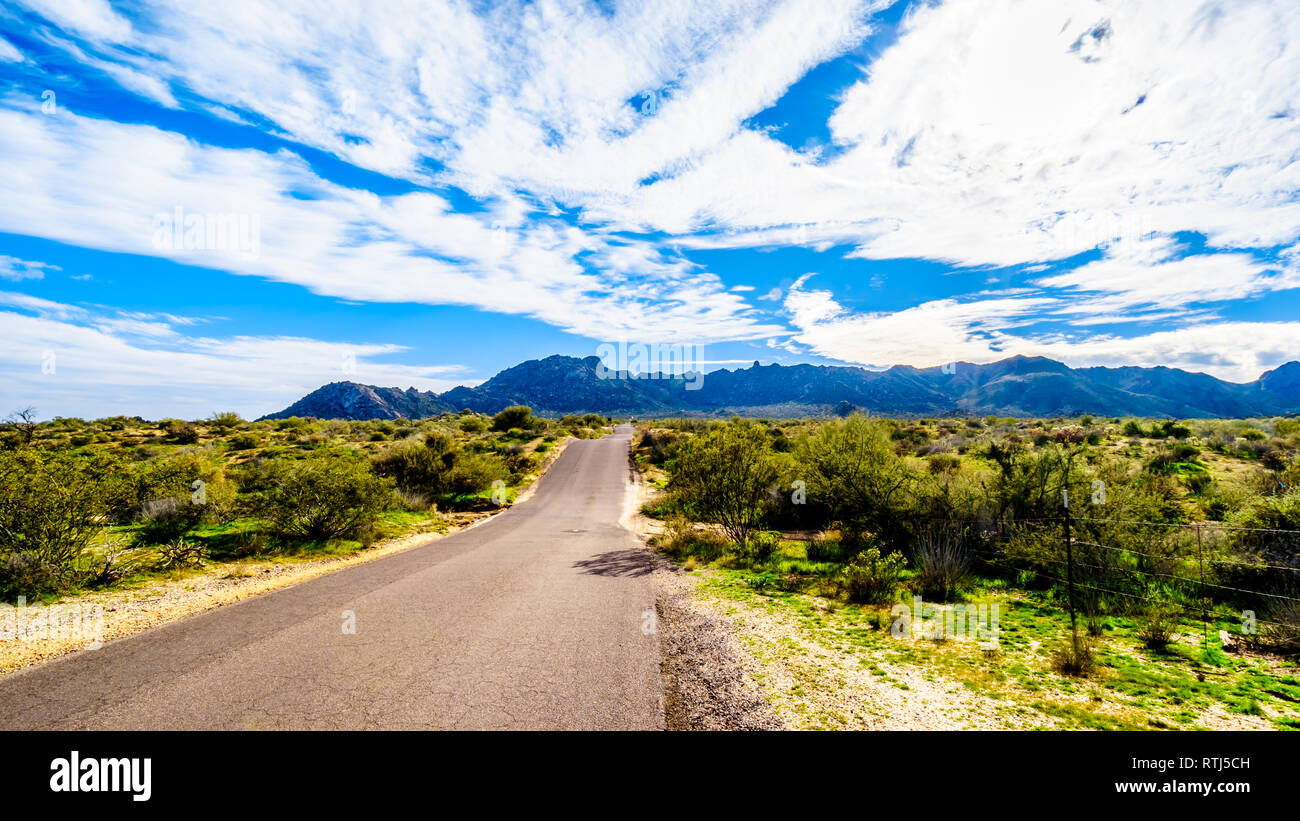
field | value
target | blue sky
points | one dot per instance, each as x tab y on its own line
224	208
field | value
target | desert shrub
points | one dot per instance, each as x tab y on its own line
1077	656
519	464
415	501
183	433
51	504
724	476
474	473
244	441
682	539
1157	623
1132	428
1280	629
1274	459
167	519
323	497
1278	512
1183	452
659	447
762	545
942	561
1072	435
111	568
1029	483
422	467
516	416
825	547
180	554
853	468
1198	481
294	424
473	424
944	463
226	420
173	494
873	578
251	543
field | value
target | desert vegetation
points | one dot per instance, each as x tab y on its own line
88	504
1178	554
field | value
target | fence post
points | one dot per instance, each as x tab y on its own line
1069	566
1205	614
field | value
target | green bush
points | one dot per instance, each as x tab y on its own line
473	424
474	473
244	441
181	432
724	476
168	519
853	469
763	545
516	416
323	497
825	547
872	578
51	504
420	467
943	562
226	420
164	497
681	539
1157	623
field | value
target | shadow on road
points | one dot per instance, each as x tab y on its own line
629	562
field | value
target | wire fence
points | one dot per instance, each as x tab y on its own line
1202	571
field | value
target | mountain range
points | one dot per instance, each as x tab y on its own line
1018	386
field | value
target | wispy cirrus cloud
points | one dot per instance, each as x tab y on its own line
347	242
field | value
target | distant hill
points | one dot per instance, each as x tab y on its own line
349	400
1018	386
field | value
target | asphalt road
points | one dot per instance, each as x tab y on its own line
535	619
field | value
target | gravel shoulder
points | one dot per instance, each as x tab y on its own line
706	681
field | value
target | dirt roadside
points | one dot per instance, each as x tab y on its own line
704	668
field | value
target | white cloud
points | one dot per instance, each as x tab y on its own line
94	19
931	333
15	269
101	184
82	363
985	330
9	53
1149	275
984	136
